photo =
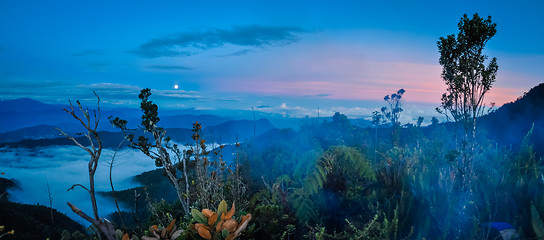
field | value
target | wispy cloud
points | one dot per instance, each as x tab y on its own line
87	52
319	95
109	93
238	53
122	91
176	94
190	43
169	67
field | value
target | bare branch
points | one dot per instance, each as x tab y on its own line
78	185
83	215
75	141
97	120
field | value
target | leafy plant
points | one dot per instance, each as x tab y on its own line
341	161
220	224
158	232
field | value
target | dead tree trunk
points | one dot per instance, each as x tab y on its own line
94	149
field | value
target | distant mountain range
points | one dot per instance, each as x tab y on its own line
44	135
18	114
27	122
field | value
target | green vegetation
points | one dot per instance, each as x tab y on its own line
334	180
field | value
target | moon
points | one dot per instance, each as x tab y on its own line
176	86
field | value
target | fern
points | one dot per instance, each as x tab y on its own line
304	207
536	221
341	160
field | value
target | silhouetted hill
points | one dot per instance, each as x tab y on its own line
511	122
109	140
34	221
6	184
226	132
24	112
239	129
36	132
25	105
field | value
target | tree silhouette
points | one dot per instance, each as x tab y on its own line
392	113
394	107
468	79
157	148
104	227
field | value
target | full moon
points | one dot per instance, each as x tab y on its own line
176	86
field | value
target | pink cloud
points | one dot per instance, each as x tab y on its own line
353	71
340	79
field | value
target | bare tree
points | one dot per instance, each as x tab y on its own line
111	182
50	197
94	149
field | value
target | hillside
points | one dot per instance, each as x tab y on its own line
511	122
34	221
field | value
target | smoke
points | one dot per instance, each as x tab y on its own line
63	166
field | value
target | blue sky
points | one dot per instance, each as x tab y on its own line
287	57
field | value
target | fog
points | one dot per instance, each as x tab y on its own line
63	166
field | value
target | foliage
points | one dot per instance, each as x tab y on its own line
220	224
360	187
304	207
199	178
271	212
526	163
468	79
340	164
158	148
464	71
158	232
386	229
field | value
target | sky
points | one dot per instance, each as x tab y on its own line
286	57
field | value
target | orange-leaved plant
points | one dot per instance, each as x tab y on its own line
220	224
159	232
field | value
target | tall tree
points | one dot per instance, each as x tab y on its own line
468	79
158	147
465	73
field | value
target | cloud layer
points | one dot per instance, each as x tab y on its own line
190	43
32	168
169	67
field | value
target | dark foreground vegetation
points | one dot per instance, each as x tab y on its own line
477	176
